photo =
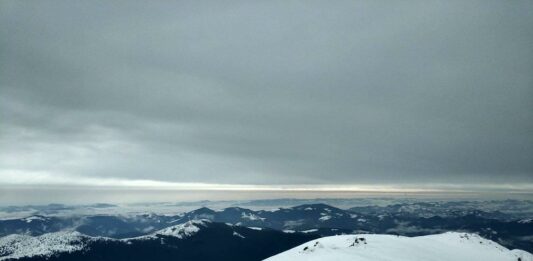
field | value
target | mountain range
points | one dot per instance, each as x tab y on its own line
235	228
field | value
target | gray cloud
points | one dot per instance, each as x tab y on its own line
278	92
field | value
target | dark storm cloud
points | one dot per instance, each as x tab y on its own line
286	92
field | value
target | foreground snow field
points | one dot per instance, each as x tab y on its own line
441	247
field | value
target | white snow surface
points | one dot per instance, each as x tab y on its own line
442	247
180	231
251	216
324	218
256	228
235	234
17	246
32	218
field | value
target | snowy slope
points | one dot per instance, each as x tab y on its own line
180	231
195	240
17	246
441	247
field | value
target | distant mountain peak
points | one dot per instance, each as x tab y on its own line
317	206
183	230
203	210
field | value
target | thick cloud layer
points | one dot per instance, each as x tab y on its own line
274	92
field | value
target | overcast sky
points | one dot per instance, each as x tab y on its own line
266	92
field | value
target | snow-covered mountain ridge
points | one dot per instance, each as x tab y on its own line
180	231
194	240
17	246
440	247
